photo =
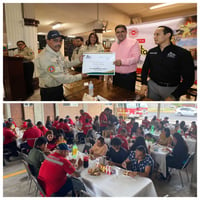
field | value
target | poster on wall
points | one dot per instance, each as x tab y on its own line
185	35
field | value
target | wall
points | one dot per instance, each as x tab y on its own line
17	113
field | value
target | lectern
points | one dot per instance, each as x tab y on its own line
13	79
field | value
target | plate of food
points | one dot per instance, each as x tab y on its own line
126	173
94	172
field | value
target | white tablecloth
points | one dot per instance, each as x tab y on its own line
119	186
160	157
191	142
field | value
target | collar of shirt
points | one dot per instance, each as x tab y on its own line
119	43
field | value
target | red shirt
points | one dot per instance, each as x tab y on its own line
8	135
124	141
55	123
146	123
53	171
12	123
66	127
24	125
31	134
86	127
71	121
85	116
44	130
51	146
103	120
60	125
129	127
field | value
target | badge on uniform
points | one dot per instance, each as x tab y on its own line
51	68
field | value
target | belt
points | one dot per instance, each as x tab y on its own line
166	84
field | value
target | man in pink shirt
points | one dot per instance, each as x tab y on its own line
127	53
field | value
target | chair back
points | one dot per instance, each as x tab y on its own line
39	187
24	156
27	168
190	157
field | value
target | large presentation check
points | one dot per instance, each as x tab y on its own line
98	64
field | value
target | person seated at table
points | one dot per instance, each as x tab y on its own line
48	123
154	122
99	149
146	122
183	127
130	126
60	124
56	120
150	138
141	162
165	138
134	129
178	155
9	141
60	137
42	127
139	132
36	155
138	142
30	135
52	173
70	121
122	135
51	141
116	154
193	130
14	125
122	126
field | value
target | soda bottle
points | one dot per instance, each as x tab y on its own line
74	151
152	129
85	160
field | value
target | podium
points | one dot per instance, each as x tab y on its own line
13	79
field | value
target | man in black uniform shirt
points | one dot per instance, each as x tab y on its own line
170	68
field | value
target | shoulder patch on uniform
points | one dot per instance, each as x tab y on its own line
51	68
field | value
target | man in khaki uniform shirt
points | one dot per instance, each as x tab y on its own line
28	55
77	52
52	66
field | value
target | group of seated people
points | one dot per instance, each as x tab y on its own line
47	147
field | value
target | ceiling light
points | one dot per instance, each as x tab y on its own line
57	25
160	5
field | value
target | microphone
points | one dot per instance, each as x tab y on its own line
12	49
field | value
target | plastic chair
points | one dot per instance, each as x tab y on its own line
29	174
38	187
186	163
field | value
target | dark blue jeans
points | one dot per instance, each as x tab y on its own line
67	187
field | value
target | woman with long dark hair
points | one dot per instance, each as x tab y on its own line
178	155
93	45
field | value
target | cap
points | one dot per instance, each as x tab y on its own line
62	146
54	34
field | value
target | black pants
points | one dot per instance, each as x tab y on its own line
52	94
126	81
28	77
12	147
171	161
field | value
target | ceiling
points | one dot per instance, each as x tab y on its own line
79	18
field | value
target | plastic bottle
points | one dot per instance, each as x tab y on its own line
91	88
85	159
74	151
152	129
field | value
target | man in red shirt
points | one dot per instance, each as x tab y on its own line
12	122
9	141
60	124
122	135
31	134
146	122
85	116
52	174
104	119
70	121
86	126
42	127
130	126
55	121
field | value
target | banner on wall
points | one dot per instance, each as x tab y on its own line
185	35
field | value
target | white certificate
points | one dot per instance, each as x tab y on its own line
98	63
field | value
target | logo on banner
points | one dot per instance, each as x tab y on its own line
133	32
